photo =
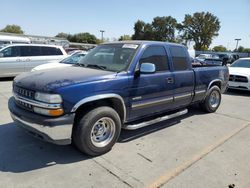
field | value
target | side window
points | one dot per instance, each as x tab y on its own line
35	50
156	55
51	51
25	51
11	52
179	58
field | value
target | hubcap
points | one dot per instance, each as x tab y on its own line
103	132
214	99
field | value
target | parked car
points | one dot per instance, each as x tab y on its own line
226	58
207	60
116	85
19	58
67	62
240	74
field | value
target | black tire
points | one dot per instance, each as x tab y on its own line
211	106
86	133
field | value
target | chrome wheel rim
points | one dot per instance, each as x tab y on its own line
214	99
103	132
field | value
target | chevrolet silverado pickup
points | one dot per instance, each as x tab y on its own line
117	85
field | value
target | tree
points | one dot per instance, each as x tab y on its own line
201	28
247	50
13	29
164	28
79	37
63	35
220	48
139	29
124	37
84	38
161	29
240	49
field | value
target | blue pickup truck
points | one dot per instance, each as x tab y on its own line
117	85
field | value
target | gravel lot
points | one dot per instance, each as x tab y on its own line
196	150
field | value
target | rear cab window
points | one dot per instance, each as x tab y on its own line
179	58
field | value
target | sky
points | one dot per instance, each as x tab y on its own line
116	17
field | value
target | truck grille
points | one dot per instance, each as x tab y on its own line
24	105
24	92
236	78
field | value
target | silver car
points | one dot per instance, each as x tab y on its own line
19	58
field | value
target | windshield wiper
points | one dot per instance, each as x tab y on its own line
80	64
97	66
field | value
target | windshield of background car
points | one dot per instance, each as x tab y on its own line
244	63
73	59
110	57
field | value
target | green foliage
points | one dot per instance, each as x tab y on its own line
124	37
243	50
79	37
164	28
161	29
220	48
201	28
63	35
12	29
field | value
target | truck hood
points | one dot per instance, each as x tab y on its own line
50	66
239	71
51	79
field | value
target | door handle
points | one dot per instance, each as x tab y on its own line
170	80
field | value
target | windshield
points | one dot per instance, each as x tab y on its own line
243	63
73	59
110	57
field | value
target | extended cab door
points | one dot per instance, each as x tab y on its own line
183	76
11	63
151	93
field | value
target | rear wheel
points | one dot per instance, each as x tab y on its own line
212	100
97	131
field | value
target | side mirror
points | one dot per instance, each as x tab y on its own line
147	68
1	54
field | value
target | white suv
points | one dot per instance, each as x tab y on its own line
19	58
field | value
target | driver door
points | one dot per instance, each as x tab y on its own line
151	93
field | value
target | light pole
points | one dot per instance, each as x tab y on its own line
237	42
102	31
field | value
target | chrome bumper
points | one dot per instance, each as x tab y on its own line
60	135
55	130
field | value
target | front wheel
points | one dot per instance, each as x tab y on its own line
97	131
212	100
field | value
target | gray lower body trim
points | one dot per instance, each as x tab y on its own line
183	96
142	104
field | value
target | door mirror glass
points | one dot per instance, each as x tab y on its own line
1	55
147	68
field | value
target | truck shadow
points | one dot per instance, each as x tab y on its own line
20	152
129	135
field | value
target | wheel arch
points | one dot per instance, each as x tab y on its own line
113	100
216	82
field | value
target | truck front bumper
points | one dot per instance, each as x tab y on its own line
57	130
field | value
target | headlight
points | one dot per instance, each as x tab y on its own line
48	98
48	112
